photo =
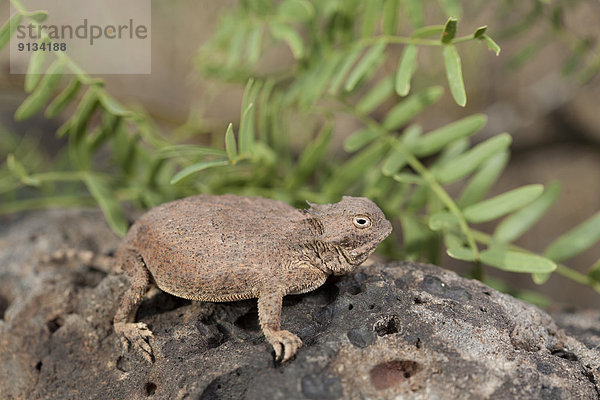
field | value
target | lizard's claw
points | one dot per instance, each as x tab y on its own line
286	344
136	335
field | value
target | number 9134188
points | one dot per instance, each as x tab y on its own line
42	46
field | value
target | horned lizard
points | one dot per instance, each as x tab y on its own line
228	248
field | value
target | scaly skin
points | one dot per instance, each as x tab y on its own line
226	248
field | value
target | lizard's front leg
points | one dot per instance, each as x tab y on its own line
285	343
132	334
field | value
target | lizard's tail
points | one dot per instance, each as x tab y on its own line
97	261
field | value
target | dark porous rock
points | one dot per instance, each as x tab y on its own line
405	330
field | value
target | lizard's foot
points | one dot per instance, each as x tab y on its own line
285	343
136	335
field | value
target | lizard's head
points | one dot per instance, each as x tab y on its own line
354	227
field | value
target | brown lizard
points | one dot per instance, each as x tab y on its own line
227	248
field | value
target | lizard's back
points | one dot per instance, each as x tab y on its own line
217	248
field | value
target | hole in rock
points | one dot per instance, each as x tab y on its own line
324	295
123	364
248	321
387	325
350	306
354	289
150	388
230	386
54	324
392	373
4	303
562	353
38	366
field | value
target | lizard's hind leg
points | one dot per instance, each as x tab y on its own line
132	334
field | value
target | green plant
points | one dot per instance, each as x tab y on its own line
339	53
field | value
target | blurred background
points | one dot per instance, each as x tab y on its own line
543	88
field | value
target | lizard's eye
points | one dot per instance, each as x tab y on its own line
362	221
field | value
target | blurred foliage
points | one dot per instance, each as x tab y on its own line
337	50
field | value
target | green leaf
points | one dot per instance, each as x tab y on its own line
449	30
111	105
34	70
37	16
64	128
108	203
247	129
416	12
64	98
35	101
490	209
408	178
349	172
376	96
311	86
454	74
396	160
451	151
513	226
254	45
577	240
442	220
461	253
408	108
111	124
480	32
452	240
493	46
594	271
296	10
290	36
370	17
375	53
515	261
406	68
390	16
246	134
483	180
428	31
463	165
235	46
439	138
312	155
192	169
189	150
347	63
84	111
411	134
18	170
361	138
9	28
393	163
230	144
540	278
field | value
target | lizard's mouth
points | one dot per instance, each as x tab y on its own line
360	254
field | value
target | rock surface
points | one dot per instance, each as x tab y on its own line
400	329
